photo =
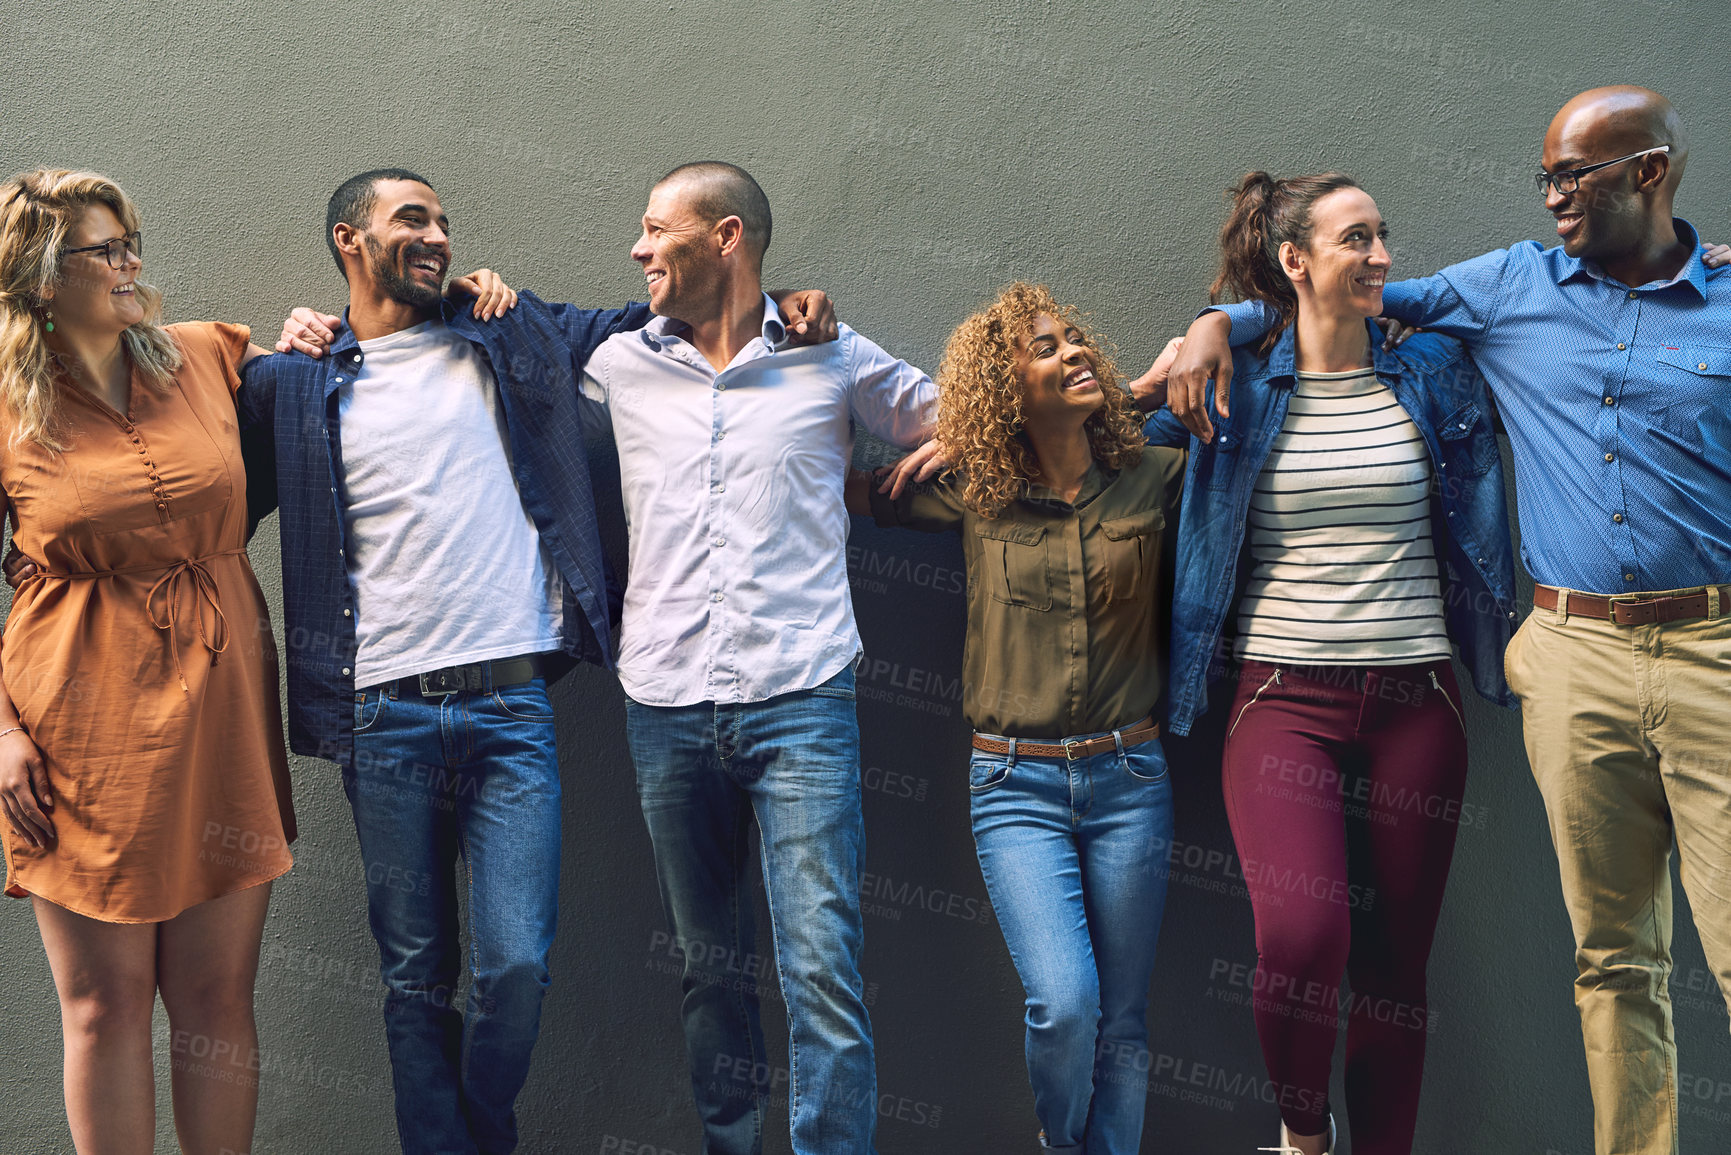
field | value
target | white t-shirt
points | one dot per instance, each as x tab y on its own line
447	564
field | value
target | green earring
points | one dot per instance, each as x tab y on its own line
48	315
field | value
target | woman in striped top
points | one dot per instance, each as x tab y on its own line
1343	566
1315	520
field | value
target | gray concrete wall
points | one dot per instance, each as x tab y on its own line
917	155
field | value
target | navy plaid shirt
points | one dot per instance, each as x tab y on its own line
288	404
1617	400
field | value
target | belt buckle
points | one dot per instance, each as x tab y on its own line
1070	745
1635	604
450	680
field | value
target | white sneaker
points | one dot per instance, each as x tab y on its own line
1286	1147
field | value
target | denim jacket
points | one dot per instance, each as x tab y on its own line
1441	390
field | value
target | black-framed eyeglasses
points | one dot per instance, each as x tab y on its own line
1569	179
114	251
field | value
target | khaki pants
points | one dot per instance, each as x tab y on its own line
1628	729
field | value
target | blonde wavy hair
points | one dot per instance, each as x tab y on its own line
38	211
980	400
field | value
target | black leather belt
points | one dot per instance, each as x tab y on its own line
470	679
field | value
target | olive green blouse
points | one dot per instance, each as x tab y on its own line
1067	603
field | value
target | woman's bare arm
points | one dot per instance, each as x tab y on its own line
25	795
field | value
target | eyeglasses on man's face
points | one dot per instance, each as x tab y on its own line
1568	180
114	251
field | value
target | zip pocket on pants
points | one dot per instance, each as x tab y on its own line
1274	680
1445	697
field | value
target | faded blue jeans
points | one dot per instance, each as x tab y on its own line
1075	858
475	775
706	775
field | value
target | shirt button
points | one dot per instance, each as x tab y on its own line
1628	577
346	612
720	433
1620	345
345	671
339	553
1610	400
1631	294
719	487
1511	615
1610	457
1702	366
1618	518
1463	426
1481	561
721	385
716	596
720	541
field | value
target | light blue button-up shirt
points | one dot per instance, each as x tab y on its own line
737	587
1616	399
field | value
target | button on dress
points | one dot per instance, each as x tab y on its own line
141	660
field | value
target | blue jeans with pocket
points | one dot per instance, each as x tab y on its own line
707	775
1075	859
474	775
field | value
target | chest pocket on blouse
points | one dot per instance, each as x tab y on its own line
1132	549
1468	448
1013	557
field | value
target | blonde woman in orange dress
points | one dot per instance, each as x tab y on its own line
143	781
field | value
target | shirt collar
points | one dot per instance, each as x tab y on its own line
1093	482
657	333
451	311
1693	273
345	342
1282	359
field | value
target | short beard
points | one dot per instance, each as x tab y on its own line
394	284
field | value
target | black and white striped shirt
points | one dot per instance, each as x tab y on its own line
1343	566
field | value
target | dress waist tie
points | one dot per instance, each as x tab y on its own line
167	591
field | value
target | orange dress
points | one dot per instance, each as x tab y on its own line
141	659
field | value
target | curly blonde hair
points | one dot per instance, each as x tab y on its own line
38	211
980	400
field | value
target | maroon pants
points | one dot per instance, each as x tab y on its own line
1343	786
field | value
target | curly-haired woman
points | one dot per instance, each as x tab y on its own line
1062	512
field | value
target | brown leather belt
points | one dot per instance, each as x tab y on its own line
1637	611
1144	731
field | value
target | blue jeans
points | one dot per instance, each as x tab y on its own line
1074	856
476	775
790	765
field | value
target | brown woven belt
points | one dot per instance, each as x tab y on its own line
1144	731
1626	611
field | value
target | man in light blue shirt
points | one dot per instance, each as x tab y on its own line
737	651
1609	359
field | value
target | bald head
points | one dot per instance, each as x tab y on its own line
1617	120
715	190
